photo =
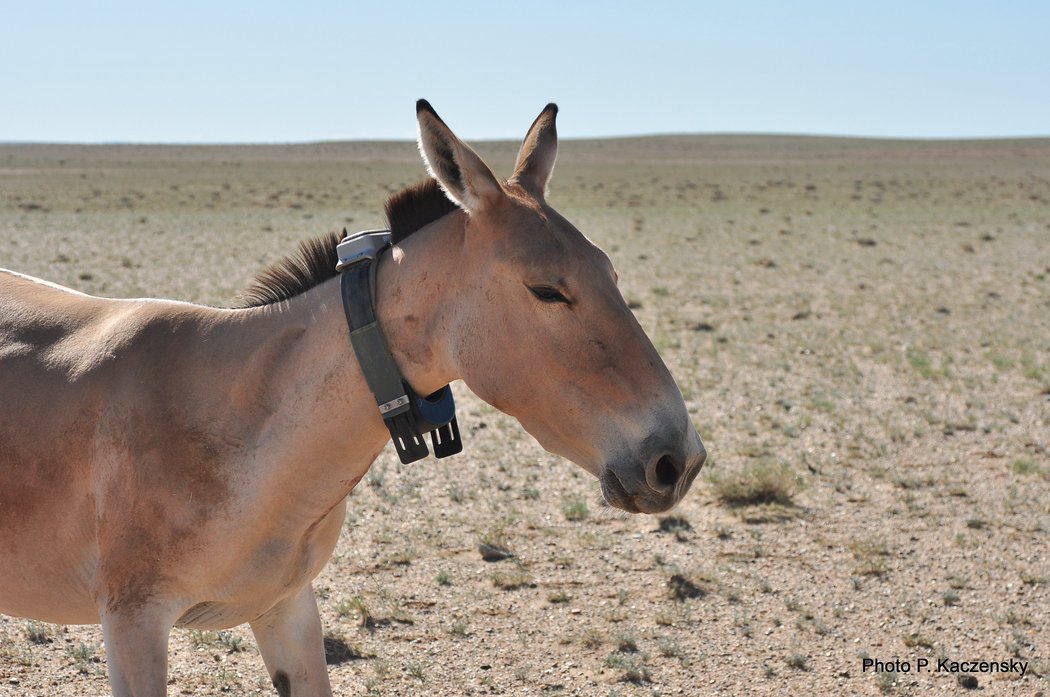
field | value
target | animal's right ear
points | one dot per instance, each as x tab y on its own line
464	177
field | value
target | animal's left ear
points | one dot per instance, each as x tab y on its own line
538	153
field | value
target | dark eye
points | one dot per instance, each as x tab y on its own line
549	295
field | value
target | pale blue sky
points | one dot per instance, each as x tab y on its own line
265	71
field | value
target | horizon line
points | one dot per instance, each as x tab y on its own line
674	134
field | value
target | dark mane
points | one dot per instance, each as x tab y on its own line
311	265
314	262
415	207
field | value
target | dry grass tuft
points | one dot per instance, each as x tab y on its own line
757	483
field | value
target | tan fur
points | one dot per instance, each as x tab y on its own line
164	463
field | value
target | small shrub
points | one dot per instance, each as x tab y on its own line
357	605
871	557
680	587
592	639
669	648
913	640
888	680
1023	465
574	509
84	658
38	633
625	643
558	597
674	523
512	580
757	483
231	642
633	667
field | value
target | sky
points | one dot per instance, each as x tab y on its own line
214	71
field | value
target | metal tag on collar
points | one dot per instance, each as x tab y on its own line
436	414
360	246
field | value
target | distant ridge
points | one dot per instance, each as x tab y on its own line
665	148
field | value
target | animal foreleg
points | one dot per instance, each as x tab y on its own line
137	652
292	646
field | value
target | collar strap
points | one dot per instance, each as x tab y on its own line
406	414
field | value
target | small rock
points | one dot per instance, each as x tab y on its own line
703	327
968	682
494	552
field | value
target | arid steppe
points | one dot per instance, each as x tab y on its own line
861	331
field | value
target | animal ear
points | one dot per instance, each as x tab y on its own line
464	177
538	153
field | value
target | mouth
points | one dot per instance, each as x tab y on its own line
617	496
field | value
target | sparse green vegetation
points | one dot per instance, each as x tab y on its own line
887	680
874	399
223	640
625	643
632	666
913	640
574	509
84	658
1024	466
592	639
871	557
512	579
669	648
38	633
757	483
559	597
416	670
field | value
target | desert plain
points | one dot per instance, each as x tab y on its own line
861	332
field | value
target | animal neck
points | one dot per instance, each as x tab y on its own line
416	285
326	428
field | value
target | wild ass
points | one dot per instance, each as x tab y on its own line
164	463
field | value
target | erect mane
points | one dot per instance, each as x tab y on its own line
415	207
311	265
314	262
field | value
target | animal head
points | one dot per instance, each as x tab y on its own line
544	334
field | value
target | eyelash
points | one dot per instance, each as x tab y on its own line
547	294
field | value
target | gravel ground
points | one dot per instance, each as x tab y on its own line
861	330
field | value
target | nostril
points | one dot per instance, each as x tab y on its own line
666	472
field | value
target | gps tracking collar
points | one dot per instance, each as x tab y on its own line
405	413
